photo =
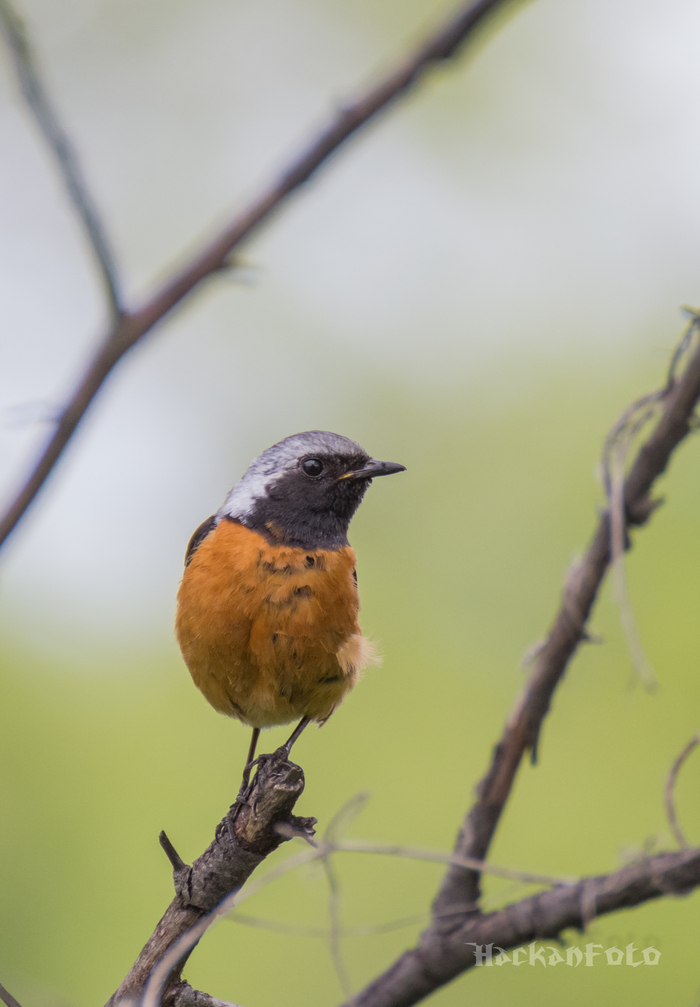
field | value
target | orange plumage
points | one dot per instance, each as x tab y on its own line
269	632
267	608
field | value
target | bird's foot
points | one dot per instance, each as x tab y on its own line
244	792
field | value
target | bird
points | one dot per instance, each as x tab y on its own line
267	609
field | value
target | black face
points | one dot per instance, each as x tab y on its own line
311	505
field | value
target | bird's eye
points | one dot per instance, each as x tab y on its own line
312	467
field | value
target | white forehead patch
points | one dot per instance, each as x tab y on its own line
272	464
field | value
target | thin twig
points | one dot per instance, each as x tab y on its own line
211	259
393	850
436	857
618	534
7	998
340	821
60	145
615	452
669	796
178	864
335	928
361	929
323	933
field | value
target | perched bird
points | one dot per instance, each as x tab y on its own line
267	608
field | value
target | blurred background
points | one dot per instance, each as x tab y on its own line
476	287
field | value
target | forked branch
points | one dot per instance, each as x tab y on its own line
569	629
440	954
209	260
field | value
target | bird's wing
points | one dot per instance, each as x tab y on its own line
201	533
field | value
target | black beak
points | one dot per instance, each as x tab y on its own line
373	469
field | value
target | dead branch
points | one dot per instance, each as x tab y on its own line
60	145
669	799
241	843
185	996
456	907
569	629
208	261
159	974
7	998
440	957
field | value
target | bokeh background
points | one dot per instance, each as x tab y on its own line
476	287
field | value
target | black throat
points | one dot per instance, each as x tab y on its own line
305	513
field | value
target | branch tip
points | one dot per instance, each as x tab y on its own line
178	864
7	998
669	791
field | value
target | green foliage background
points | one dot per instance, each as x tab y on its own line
460	565
104	741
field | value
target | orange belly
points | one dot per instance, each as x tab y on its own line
270	633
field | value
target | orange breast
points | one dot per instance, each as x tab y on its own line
270	633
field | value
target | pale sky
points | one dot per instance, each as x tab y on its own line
538	201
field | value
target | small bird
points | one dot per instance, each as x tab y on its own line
268	603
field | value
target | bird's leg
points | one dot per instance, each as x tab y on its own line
249	763
245	782
287	746
285	750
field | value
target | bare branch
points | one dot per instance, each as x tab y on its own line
36	97
184	996
161	975
669	791
241	843
456	908
440	957
679	399
7	998
133	326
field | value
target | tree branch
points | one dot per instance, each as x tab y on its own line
242	841
185	996
133	326
61	147
568	631
7	998
441	957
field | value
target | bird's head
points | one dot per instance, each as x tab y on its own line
304	490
